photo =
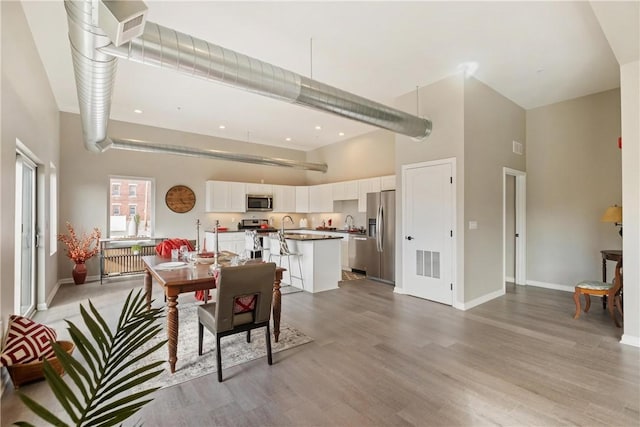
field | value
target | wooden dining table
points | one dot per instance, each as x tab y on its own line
191	278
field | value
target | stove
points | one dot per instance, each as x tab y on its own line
256	224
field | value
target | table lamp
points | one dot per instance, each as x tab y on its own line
613	214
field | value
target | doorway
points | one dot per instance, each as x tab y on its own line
514	227
428	248
25	236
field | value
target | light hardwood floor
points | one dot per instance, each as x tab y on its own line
379	358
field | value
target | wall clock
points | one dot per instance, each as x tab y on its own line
180	198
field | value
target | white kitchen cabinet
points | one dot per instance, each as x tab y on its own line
227	241
259	189
346	190
284	198
388	182
224	196
321	198
369	185
302	199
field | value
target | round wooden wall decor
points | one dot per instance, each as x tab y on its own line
180	198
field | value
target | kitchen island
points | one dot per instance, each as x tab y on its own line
321	270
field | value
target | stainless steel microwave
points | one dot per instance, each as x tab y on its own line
259	202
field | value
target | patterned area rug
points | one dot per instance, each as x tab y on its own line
235	349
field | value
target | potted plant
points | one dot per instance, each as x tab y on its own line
100	392
79	250
135	249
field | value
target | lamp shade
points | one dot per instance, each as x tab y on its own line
612	214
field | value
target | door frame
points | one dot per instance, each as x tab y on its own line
521	226
454	223
25	159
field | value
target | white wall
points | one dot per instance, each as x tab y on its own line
574	174
30	114
443	103
630	90
491	124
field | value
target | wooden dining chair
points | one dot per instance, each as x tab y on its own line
244	296
611	290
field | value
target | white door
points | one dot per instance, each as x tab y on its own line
25	271
428	226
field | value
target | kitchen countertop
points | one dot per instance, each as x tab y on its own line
303	237
289	230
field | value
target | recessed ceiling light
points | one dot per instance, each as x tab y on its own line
137	111
222	127
340	133
468	68
318	127
287	139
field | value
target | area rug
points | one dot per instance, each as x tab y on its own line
235	349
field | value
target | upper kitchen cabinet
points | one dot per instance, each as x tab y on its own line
370	185
321	198
260	189
223	196
346	190
302	199
388	182
284	198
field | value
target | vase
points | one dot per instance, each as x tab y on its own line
79	273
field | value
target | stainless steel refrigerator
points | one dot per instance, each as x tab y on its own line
381	236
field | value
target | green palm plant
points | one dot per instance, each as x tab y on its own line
101	394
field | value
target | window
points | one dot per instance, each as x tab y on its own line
137	200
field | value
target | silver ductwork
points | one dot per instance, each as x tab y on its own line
166	48
94	62
94	71
147	147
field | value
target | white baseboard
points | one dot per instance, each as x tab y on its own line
555	286
510	279
480	300
398	290
52	294
630	340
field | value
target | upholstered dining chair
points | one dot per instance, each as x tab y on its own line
243	303
611	290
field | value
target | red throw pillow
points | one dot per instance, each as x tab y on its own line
26	341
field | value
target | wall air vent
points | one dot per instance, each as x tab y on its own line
518	148
122	21
428	264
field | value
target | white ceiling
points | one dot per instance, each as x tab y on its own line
534	53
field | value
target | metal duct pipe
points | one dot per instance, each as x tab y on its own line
167	48
94	71
146	147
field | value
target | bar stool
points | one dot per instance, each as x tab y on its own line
280	250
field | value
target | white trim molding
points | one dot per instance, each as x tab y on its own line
630	340
481	300
555	286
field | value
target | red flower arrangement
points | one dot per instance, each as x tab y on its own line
80	250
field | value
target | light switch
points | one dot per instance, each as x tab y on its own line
473	225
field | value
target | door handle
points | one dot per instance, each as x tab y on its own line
409	238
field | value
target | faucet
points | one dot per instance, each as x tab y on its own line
346	221
285	217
